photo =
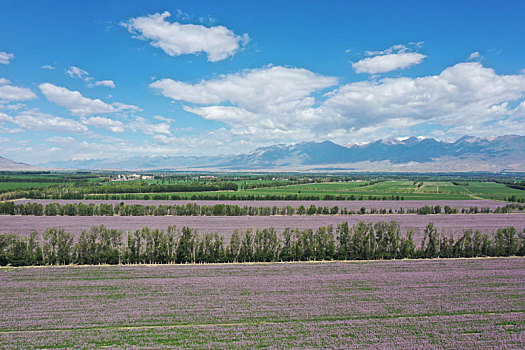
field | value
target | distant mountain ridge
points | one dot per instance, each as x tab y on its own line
500	150
410	154
9	165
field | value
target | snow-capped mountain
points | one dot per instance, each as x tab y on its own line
402	154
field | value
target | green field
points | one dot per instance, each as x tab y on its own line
407	189
263	186
11	186
439	190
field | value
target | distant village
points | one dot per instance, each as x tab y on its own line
130	177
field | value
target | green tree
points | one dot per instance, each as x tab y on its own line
186	249
430	245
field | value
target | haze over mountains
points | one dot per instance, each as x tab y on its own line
495	154
9	165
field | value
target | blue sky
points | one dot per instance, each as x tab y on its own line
106	79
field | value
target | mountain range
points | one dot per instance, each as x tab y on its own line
9	165
493	154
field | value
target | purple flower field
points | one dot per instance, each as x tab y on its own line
461	303
350	205
225	225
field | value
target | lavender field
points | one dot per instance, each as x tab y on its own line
350	205
461	303
453	224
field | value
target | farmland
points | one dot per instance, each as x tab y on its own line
449	224
323	302
415	303
260	187
402	190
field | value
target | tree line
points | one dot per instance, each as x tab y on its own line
382	240
241	197
66	192
193	209
79	191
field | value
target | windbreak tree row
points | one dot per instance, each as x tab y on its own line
382	240
157	192
193	209
81	191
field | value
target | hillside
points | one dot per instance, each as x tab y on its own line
495	154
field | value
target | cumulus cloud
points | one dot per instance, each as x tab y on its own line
270	98
466	94
393	58
105	123
5	57
79	105
107	83
47	66
45	122
387	63
10	93
77	73
142	125
277	104
176	39
266	89
466	90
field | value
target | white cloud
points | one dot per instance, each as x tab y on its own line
14	106
142	125
164	119
163	139
464	94
105	123
45	122
77	73
268	102
387	63
277	104
395	57
9	93
474	56
107	83
176	39
399	48
79	105
5	57
47	66
60	139
266	89
4	118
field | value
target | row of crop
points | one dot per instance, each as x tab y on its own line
193	209
382	240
